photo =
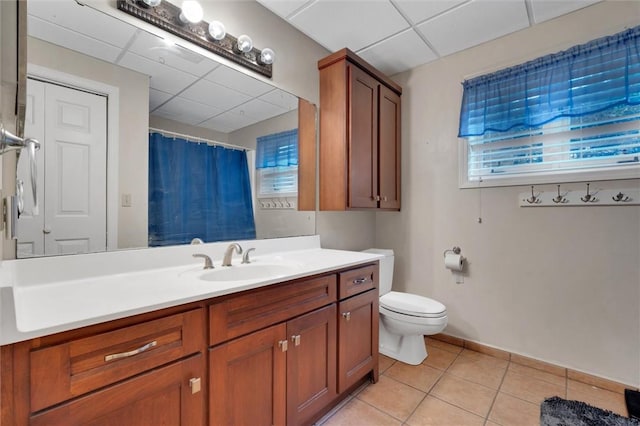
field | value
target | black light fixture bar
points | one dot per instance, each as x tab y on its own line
167	17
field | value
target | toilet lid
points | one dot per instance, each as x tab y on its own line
412	304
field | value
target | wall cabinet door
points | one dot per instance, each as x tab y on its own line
357	338
171	395
247	379
389	149
363	139
311	364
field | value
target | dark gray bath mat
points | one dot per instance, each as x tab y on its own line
560	412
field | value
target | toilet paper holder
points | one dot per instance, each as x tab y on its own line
454	250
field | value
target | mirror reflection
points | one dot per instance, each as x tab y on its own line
131	124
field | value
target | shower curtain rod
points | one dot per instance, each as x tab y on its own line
197	139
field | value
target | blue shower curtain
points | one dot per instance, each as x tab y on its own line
197	191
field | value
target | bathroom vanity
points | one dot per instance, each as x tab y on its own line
274	350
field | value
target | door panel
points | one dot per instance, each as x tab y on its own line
389	142
247	380
311	364
71	126
363	145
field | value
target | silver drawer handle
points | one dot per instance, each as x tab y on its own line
361	280
131	353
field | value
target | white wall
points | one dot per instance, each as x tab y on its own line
133	142
556	284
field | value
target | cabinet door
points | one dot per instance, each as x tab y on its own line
363	139
166	396
357	339
311	364
248	379
389	149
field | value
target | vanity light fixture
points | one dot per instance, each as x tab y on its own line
217	30
191	11
187	23
244	44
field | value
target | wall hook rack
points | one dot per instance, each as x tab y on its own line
561	198
621	198
589	198
534	199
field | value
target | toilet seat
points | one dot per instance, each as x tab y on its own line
412	305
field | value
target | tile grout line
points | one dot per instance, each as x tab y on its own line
486	419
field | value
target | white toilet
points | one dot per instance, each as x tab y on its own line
404	317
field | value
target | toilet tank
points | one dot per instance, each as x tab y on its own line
386	268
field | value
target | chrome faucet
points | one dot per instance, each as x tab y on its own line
208	264
226	260
245	256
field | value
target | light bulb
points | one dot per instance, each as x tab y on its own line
151	3
191	11
267	56
216	30
244	43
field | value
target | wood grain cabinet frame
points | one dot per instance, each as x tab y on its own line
360	122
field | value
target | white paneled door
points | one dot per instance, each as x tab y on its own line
72	127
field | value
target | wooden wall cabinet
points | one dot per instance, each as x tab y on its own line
360	123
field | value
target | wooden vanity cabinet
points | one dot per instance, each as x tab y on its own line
357	326
359	135
142	370
275	355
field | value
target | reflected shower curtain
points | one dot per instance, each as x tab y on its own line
197	191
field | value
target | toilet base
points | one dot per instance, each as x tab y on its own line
409	349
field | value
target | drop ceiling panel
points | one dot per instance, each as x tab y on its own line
214	95
282	99
283	7
55	34
238	81
157	98
186	111
156	49
228	122
83	20
398	53
474	23
259	110
545	10
418	11
352	24
163	77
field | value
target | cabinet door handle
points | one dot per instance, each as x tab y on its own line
360	280
384	198
284	345
296	340
195	385
131	353
346	315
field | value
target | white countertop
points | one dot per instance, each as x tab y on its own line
122	284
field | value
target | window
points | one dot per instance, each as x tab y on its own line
573	115
277	168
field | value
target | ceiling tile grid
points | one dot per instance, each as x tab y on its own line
397	35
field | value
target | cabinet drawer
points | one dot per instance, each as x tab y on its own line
70	369
358	280
242	314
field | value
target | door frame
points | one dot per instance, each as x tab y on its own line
112	94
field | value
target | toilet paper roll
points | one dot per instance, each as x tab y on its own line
453	261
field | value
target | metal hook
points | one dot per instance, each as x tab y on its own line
560	198
589	198
534	199
621	198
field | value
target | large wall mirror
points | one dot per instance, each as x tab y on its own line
97	86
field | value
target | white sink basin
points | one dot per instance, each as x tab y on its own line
247	272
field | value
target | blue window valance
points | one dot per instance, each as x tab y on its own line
277	150
582	80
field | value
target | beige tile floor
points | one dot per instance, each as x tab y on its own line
456	386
